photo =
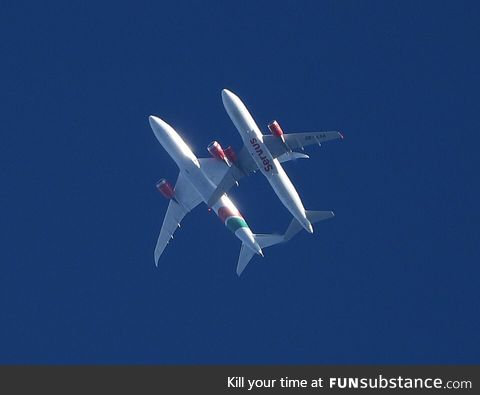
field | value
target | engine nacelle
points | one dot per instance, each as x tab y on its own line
230	154
165	188
275	129
216	150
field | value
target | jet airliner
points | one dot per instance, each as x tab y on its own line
266	153
209	179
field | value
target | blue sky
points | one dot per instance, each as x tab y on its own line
394	278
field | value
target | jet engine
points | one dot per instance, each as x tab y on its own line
165	188
275	129
230	154
216	150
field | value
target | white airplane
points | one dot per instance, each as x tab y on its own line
265	153
197	182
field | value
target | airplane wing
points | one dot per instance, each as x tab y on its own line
245	162
214	169
186	199
225	177
295	141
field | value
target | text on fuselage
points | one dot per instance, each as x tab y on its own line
266	162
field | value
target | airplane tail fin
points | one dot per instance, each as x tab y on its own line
264	241
268	240
312	216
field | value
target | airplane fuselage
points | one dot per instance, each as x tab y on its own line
189	165
269	166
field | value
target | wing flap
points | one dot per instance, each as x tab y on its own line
295	141
186	199
291	155
171	222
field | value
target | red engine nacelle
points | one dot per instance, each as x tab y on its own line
275	129
165	188
216	150
230	154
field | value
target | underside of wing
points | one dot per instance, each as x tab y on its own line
225	177
245	162
295	141
214	169
185	199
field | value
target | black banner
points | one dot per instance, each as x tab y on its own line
232	379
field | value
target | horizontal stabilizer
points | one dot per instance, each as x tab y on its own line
312	216
246	255
268	240
317	216
263	241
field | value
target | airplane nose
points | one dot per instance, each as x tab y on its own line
227	97
158	124
225	92
152	120
160	128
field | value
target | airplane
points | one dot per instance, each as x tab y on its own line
266	153
197	182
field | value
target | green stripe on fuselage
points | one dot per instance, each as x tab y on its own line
235	223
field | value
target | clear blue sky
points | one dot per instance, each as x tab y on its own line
394	278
